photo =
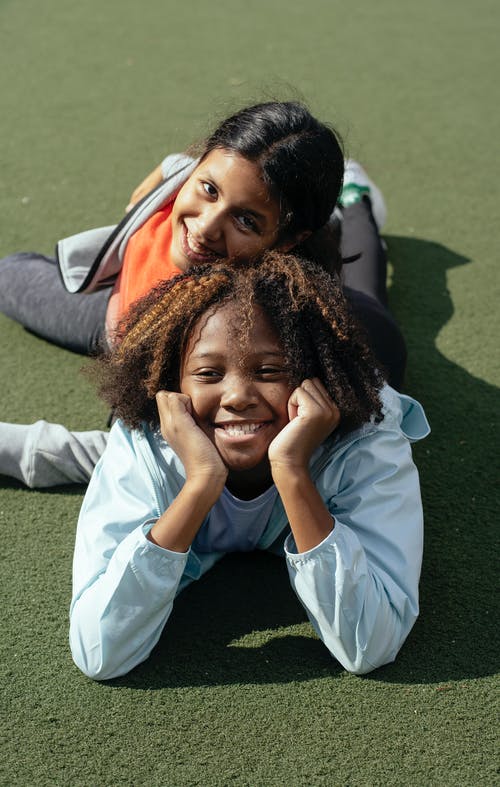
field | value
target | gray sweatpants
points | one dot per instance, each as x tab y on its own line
32	292
45	454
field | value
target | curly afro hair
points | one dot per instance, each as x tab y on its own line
304	304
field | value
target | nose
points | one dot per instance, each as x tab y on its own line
239	393
210	222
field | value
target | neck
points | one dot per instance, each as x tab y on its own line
247	484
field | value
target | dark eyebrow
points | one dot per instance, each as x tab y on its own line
268	354
203	356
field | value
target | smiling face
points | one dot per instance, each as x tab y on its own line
223	210
239	391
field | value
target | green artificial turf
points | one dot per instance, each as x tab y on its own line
93	94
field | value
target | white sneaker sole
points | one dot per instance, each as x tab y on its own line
354	173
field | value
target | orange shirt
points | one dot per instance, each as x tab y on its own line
146	263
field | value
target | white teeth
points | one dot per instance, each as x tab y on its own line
235	430
195	246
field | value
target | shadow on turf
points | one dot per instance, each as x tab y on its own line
456	636
240	624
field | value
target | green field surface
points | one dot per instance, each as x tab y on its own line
92	95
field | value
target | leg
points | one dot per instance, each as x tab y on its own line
384	336
367	274
365	285
32	293
44	454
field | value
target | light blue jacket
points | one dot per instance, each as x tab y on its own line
359	586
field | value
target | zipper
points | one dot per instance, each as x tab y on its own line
159	493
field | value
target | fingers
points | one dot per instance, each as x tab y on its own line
148	184
315	388
168	399
312	393
137	195
172	406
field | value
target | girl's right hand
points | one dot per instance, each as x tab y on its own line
148	184
199	456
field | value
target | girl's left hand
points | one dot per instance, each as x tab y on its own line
313	416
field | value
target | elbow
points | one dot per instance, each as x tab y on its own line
89	672
368	648
90	662
90	657
101	657
362	666
95	673
95	668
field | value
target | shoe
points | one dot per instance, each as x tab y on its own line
357	185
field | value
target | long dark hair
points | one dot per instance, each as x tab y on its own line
302	165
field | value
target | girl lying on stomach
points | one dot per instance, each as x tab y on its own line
251	415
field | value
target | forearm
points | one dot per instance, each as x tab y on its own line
177	527
309	519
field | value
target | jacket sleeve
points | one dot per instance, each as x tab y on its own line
123	585
360	585
174	163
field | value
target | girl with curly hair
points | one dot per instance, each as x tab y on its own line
251	415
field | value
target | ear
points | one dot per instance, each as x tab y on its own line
288	245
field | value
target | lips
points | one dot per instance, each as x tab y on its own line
195	251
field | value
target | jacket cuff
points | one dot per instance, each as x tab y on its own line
294	555
146	527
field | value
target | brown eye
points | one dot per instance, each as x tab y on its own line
209	188
270	371
208	374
